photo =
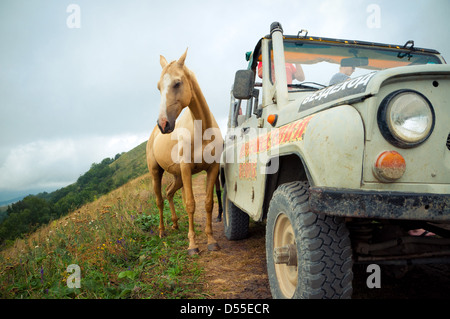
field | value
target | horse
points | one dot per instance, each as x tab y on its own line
183	146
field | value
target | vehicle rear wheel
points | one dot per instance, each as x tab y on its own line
308	255
235	221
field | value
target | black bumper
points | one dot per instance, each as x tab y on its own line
385	205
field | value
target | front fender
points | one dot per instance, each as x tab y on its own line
333	148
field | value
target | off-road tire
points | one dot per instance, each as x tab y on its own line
324	255
235	221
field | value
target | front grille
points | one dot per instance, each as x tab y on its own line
448	142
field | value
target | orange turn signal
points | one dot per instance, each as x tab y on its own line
389	166
272	119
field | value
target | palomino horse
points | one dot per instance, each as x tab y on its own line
184	146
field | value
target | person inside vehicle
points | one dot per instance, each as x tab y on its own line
293	72
345	71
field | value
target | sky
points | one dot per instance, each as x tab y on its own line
78	77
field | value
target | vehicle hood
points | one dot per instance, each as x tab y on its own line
364	86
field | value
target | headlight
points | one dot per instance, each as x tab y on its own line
406	118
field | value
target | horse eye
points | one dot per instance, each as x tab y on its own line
177	85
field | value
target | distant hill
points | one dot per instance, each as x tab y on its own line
33	211
4	206
10	201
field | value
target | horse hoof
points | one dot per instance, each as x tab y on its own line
218	220
213	247
193	251
162	234
175	227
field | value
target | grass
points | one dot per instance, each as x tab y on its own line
114	241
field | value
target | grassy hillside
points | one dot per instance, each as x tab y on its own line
33	211
114	240
130	165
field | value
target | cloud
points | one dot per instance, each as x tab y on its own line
71	97
52	164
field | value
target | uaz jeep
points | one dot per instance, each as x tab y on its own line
343	148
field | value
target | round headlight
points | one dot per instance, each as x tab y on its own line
406	118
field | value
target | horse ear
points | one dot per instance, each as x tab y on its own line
162	61
182	58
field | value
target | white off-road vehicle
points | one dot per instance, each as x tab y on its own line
343	148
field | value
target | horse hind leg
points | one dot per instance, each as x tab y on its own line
170	192
211	178
219	201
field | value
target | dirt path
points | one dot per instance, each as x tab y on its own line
238	270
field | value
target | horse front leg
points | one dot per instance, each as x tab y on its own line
186	175
211	178
157	173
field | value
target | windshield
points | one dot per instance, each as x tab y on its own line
317	64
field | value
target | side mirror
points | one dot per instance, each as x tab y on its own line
244	81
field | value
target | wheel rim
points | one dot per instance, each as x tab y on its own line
283	235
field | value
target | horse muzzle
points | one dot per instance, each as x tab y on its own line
165	127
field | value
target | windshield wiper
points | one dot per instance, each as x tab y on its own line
307	85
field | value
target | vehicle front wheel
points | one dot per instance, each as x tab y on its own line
308	255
